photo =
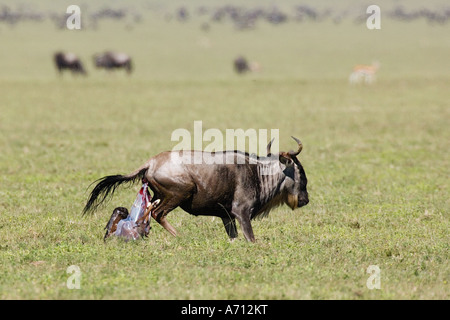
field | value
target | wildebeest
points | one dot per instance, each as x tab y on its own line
140	228
241	65
118	214
68	61
113	60
243	187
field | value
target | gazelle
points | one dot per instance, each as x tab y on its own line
364	73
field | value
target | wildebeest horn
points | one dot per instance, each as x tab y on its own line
300	147
269	146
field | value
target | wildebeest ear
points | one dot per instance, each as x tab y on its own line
285	159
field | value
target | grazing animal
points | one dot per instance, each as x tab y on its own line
68	61
239	186
113	60
364	73
241	65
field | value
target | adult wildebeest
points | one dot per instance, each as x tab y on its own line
239	186
241	65
68	61
113	60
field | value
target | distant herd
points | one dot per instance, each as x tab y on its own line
107	60
117	60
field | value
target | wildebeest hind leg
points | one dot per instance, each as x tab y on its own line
160	215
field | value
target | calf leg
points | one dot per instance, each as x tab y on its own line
143	223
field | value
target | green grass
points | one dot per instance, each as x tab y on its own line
376	158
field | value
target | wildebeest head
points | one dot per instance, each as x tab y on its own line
294	184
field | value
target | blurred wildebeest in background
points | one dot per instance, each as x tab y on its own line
113	60
242	17
241	65
68	61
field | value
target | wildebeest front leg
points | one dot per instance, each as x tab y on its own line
230	227
243	215
246	227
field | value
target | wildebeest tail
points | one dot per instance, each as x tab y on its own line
106	187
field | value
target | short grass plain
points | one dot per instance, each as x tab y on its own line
376	158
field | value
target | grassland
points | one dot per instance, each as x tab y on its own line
376	158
